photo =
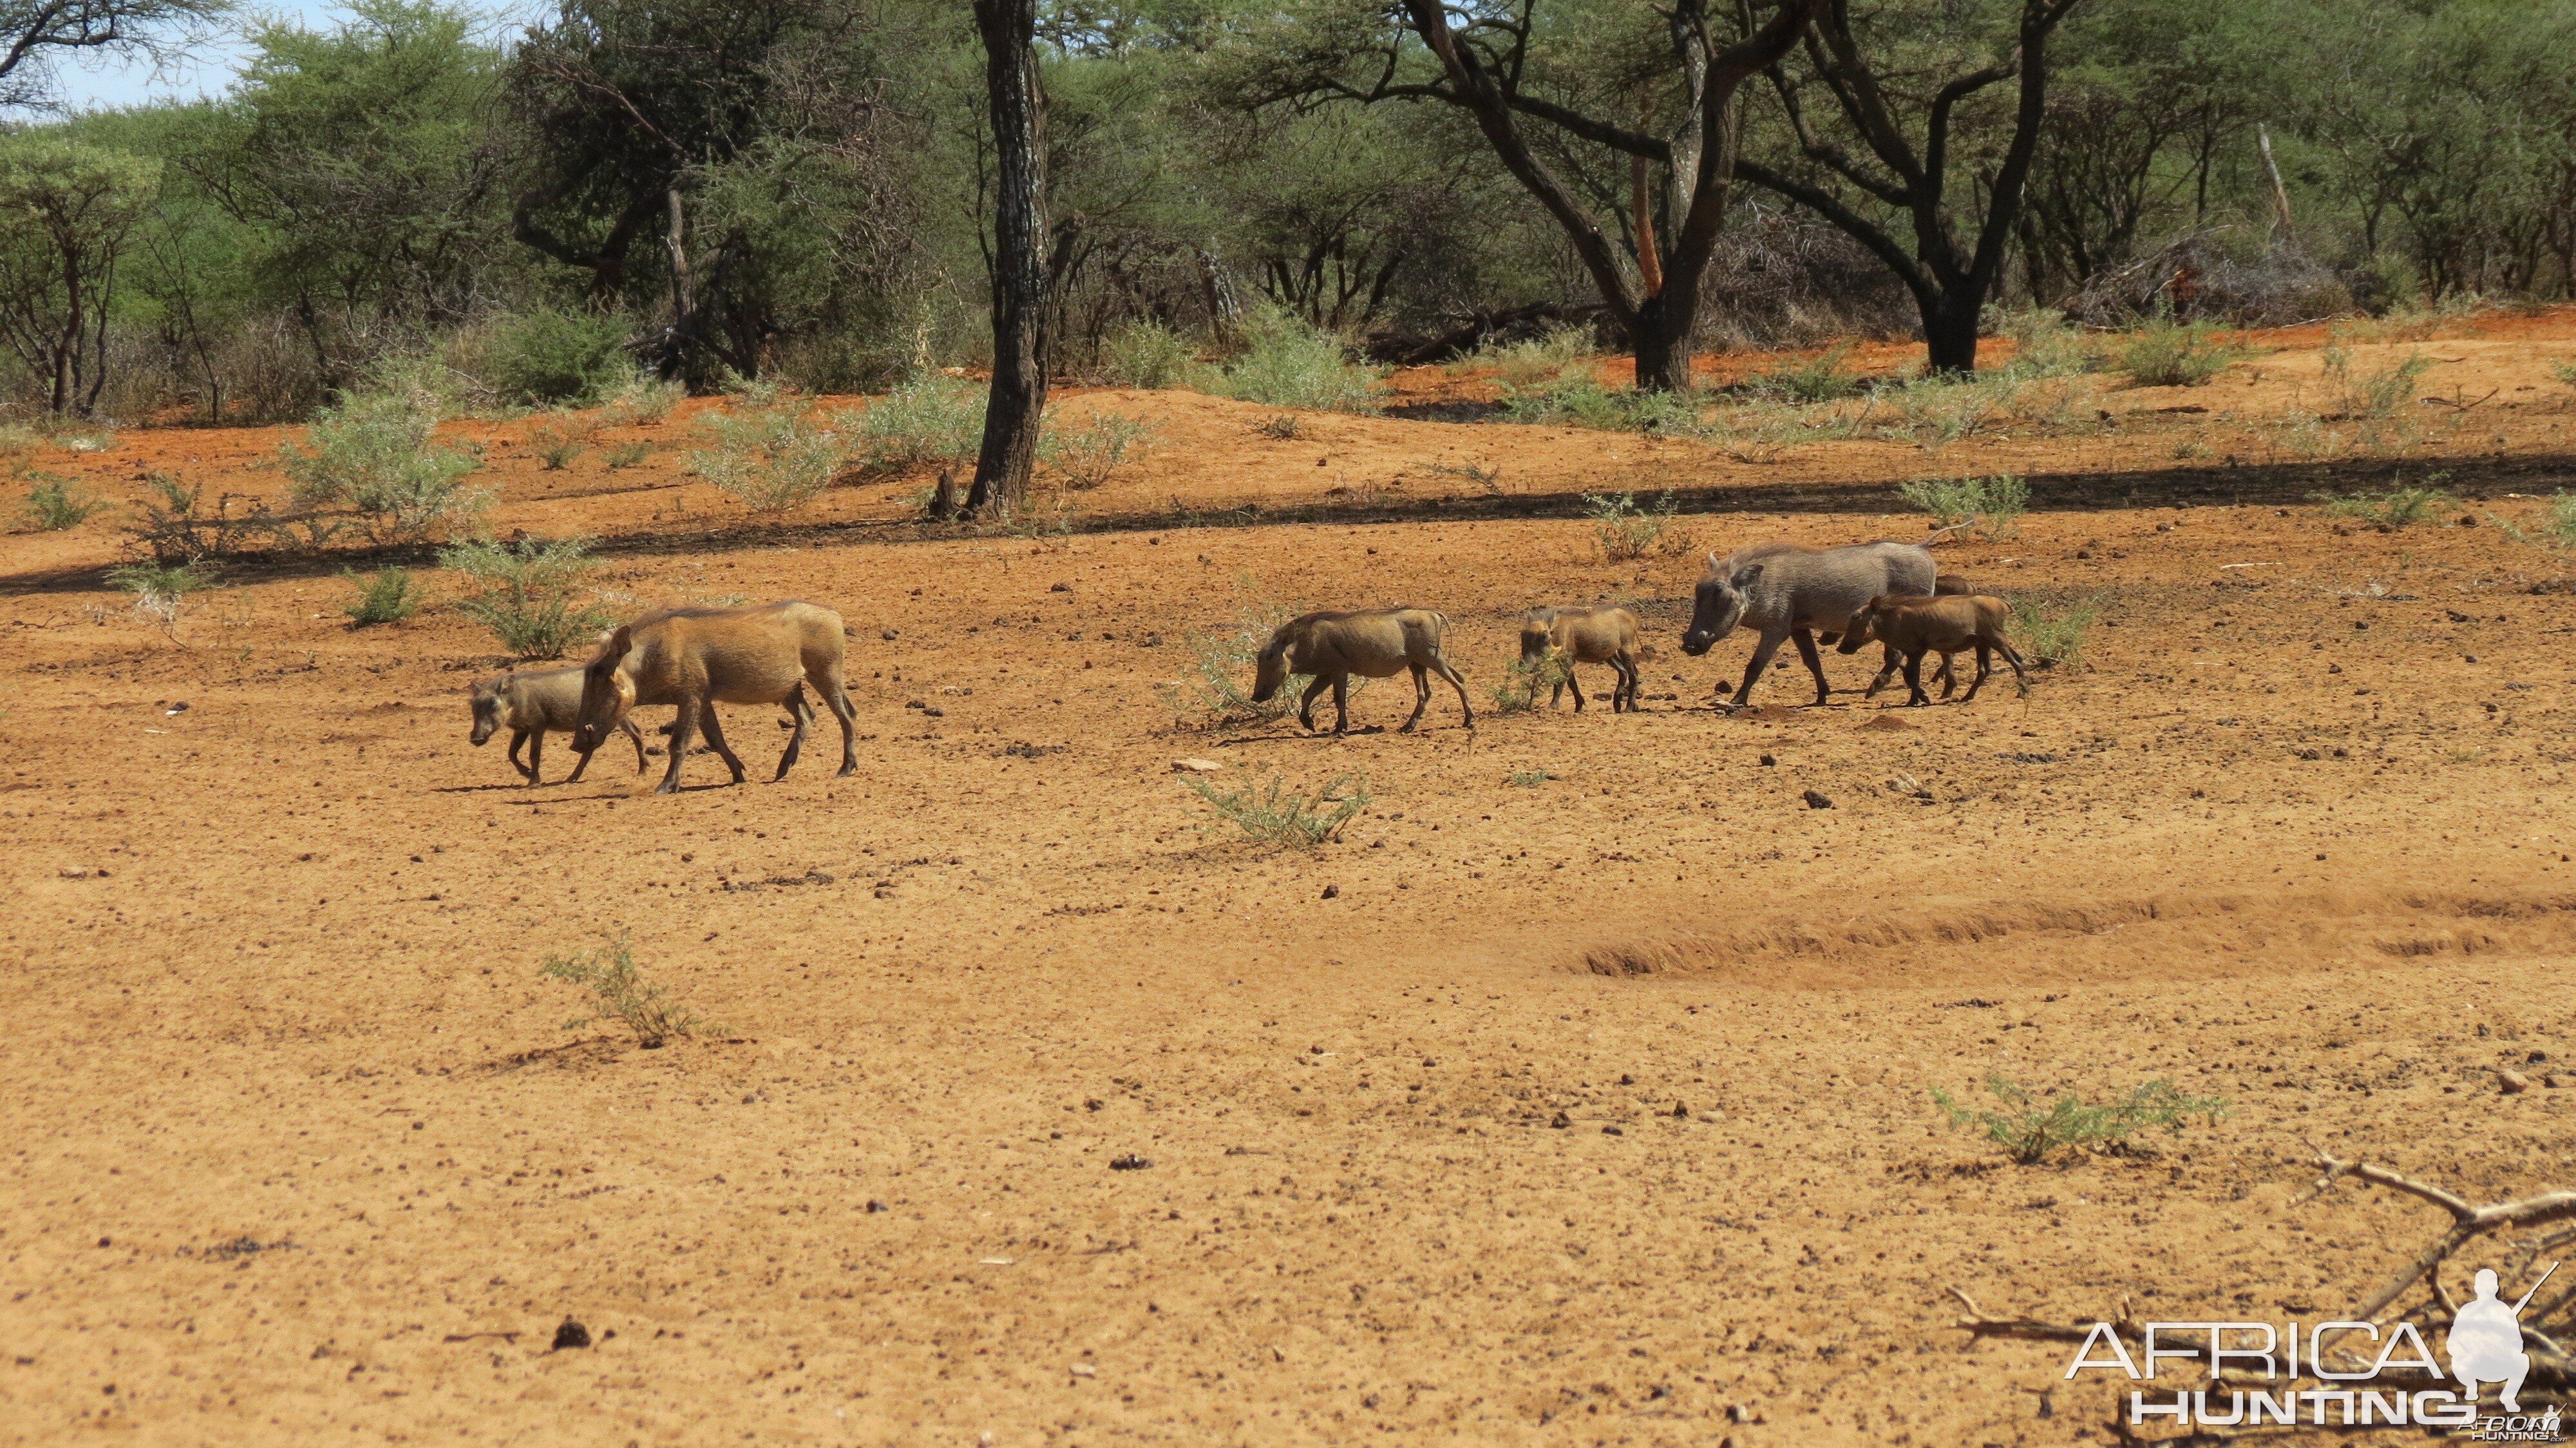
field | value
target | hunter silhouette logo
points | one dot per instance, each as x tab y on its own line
2484	1345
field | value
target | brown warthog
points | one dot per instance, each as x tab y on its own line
1890	661
532	705
1376	644
697	658
1787	591
1944	625
1603	635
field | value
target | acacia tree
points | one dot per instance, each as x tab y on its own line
36	33
1888	184
66	212
1553	127
1017	404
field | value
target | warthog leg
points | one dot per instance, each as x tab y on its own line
1762	652
801	710
1422	697
715	740
1440	665
1306	704
1341	703
684	730
1815	665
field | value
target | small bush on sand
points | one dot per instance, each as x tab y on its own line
1818	379
2376	395
2045	346
385	596
930	418
770	460
1530	361
1579	400
1995	504
2051	637
2398	507
559	438
56	504
1530	778
161	591
1626	531
2029	1134
1941	409
527	593
1088	453
2555	528
626	455
1280	817
1286	363
1526	679
2166	353
1145	353
639	399
374	451
1214	688
1280	427
621	994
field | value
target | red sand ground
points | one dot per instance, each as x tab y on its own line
300	1147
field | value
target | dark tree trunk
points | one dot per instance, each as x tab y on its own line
1661	337
1018	399
1950	333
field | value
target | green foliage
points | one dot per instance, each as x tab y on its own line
927	420
2398	507
2555	528
1527	678
626	455
1212	691
1941	409
2565	372
527	593
1577	399
1626	531
67	213
2050	637
1995	503
1089	453
638	399
1145	353
162	591
2166	353
622	994
55	504
1287	363
1531	361
376	452
772	459
559	438
2029	1134
2378	394
385	596
1822	378
553	356
1530	778
2045	346
1277	816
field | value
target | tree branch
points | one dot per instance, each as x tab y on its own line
1849	222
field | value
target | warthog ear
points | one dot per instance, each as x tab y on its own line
1744	576
1714	562
617	645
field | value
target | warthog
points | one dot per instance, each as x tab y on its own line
697	658
533	704
1586	636
1784	591
1376	643
1891	661
1946	625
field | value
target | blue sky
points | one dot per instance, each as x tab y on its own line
98	82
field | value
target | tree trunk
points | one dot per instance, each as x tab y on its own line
1950	332
1661	338
1017	402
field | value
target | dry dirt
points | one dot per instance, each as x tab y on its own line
1590	1110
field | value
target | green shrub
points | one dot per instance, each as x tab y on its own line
639	399
1579	400
1996	503
1941	408
1287	363
558	439
1627	531
173	531
55	504
1530	778
625	455
2374	395
2045	346
931	418
2565	372
162	591
2028	1134
551	356
1532	361
770	461
1213	690
1145	353
1089	453
1526	678
1819	379
622	994
1280	427
2052	637
2398	507
527	593
375	452
385	596
1277	816
2166	353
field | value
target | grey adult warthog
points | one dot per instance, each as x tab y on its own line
1376	643
533	704
696	658
1786	590
1605	635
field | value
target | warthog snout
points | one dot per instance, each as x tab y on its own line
1269	673
1718	606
